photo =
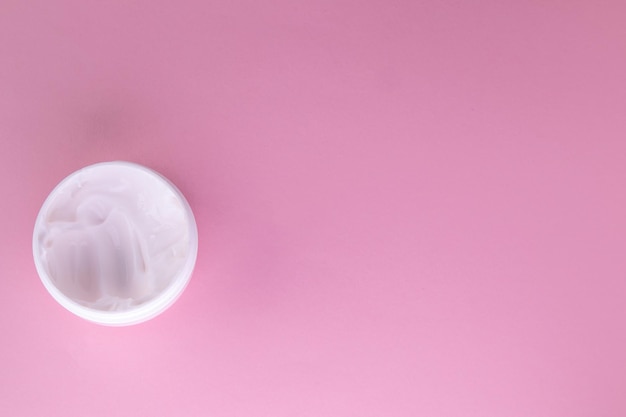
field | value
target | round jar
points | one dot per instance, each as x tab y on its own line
115	243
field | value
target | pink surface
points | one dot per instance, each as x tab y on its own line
405	208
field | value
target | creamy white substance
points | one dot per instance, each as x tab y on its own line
113	237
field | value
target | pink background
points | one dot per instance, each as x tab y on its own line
406	208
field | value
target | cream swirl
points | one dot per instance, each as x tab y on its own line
113	237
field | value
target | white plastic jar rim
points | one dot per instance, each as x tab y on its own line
140	313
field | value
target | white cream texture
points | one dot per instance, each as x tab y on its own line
113	237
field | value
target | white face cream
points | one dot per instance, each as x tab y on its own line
115	243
